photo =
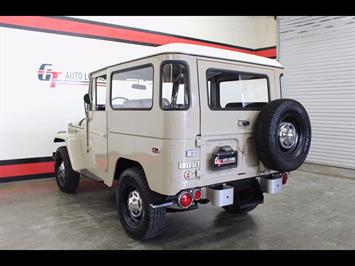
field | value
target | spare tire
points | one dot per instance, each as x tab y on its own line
283	135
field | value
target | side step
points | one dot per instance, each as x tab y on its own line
88	174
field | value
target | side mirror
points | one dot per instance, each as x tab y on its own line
87	99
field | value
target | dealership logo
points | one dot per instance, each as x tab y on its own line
47	73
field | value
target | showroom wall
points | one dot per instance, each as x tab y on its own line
45	62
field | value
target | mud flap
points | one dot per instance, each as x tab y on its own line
247	193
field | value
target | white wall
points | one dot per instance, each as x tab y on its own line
246	31
31	111
264	31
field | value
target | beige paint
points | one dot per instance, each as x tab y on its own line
132	134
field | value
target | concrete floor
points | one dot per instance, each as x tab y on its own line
316	210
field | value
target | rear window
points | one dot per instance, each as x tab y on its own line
229	90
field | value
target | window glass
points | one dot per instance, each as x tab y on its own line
235	90
174	89
133	89
99	93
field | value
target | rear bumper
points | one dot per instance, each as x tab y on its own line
243	192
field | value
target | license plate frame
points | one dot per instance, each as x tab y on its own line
224	159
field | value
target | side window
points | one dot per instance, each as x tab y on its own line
132	89
99	93
174	86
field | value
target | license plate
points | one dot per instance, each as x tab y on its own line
224	158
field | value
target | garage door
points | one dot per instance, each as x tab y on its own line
319	57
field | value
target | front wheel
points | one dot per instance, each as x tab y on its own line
133	199
67	179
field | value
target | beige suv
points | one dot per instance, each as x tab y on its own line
182	126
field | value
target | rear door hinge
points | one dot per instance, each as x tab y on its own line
198	141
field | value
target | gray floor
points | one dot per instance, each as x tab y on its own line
316	210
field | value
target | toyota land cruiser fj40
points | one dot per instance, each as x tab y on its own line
181	126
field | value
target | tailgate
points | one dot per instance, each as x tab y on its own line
230	126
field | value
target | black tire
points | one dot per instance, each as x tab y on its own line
149	222
271	152
67	180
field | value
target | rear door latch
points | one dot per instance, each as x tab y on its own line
243	123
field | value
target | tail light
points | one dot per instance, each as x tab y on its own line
284	178
197	194
185	199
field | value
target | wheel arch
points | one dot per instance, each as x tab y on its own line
122	164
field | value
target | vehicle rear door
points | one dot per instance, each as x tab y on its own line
231	96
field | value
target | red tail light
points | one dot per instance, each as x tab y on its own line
197	194
185	200
284	178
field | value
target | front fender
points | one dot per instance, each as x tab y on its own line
61	137
74	144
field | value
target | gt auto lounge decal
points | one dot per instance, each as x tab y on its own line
53	74
46	73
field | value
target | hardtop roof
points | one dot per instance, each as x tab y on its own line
200	50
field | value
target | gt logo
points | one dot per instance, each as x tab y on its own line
45	73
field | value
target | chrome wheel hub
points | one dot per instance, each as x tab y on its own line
288	136
134	203
61	172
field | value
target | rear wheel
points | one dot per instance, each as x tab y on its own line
67	179
133	198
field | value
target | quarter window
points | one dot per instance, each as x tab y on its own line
132	89
236	90
174	86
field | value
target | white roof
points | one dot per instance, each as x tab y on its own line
201	50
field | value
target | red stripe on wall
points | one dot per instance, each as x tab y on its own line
26	169
115	33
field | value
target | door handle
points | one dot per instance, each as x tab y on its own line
243	123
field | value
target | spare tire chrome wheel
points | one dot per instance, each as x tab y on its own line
288	136
283	135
